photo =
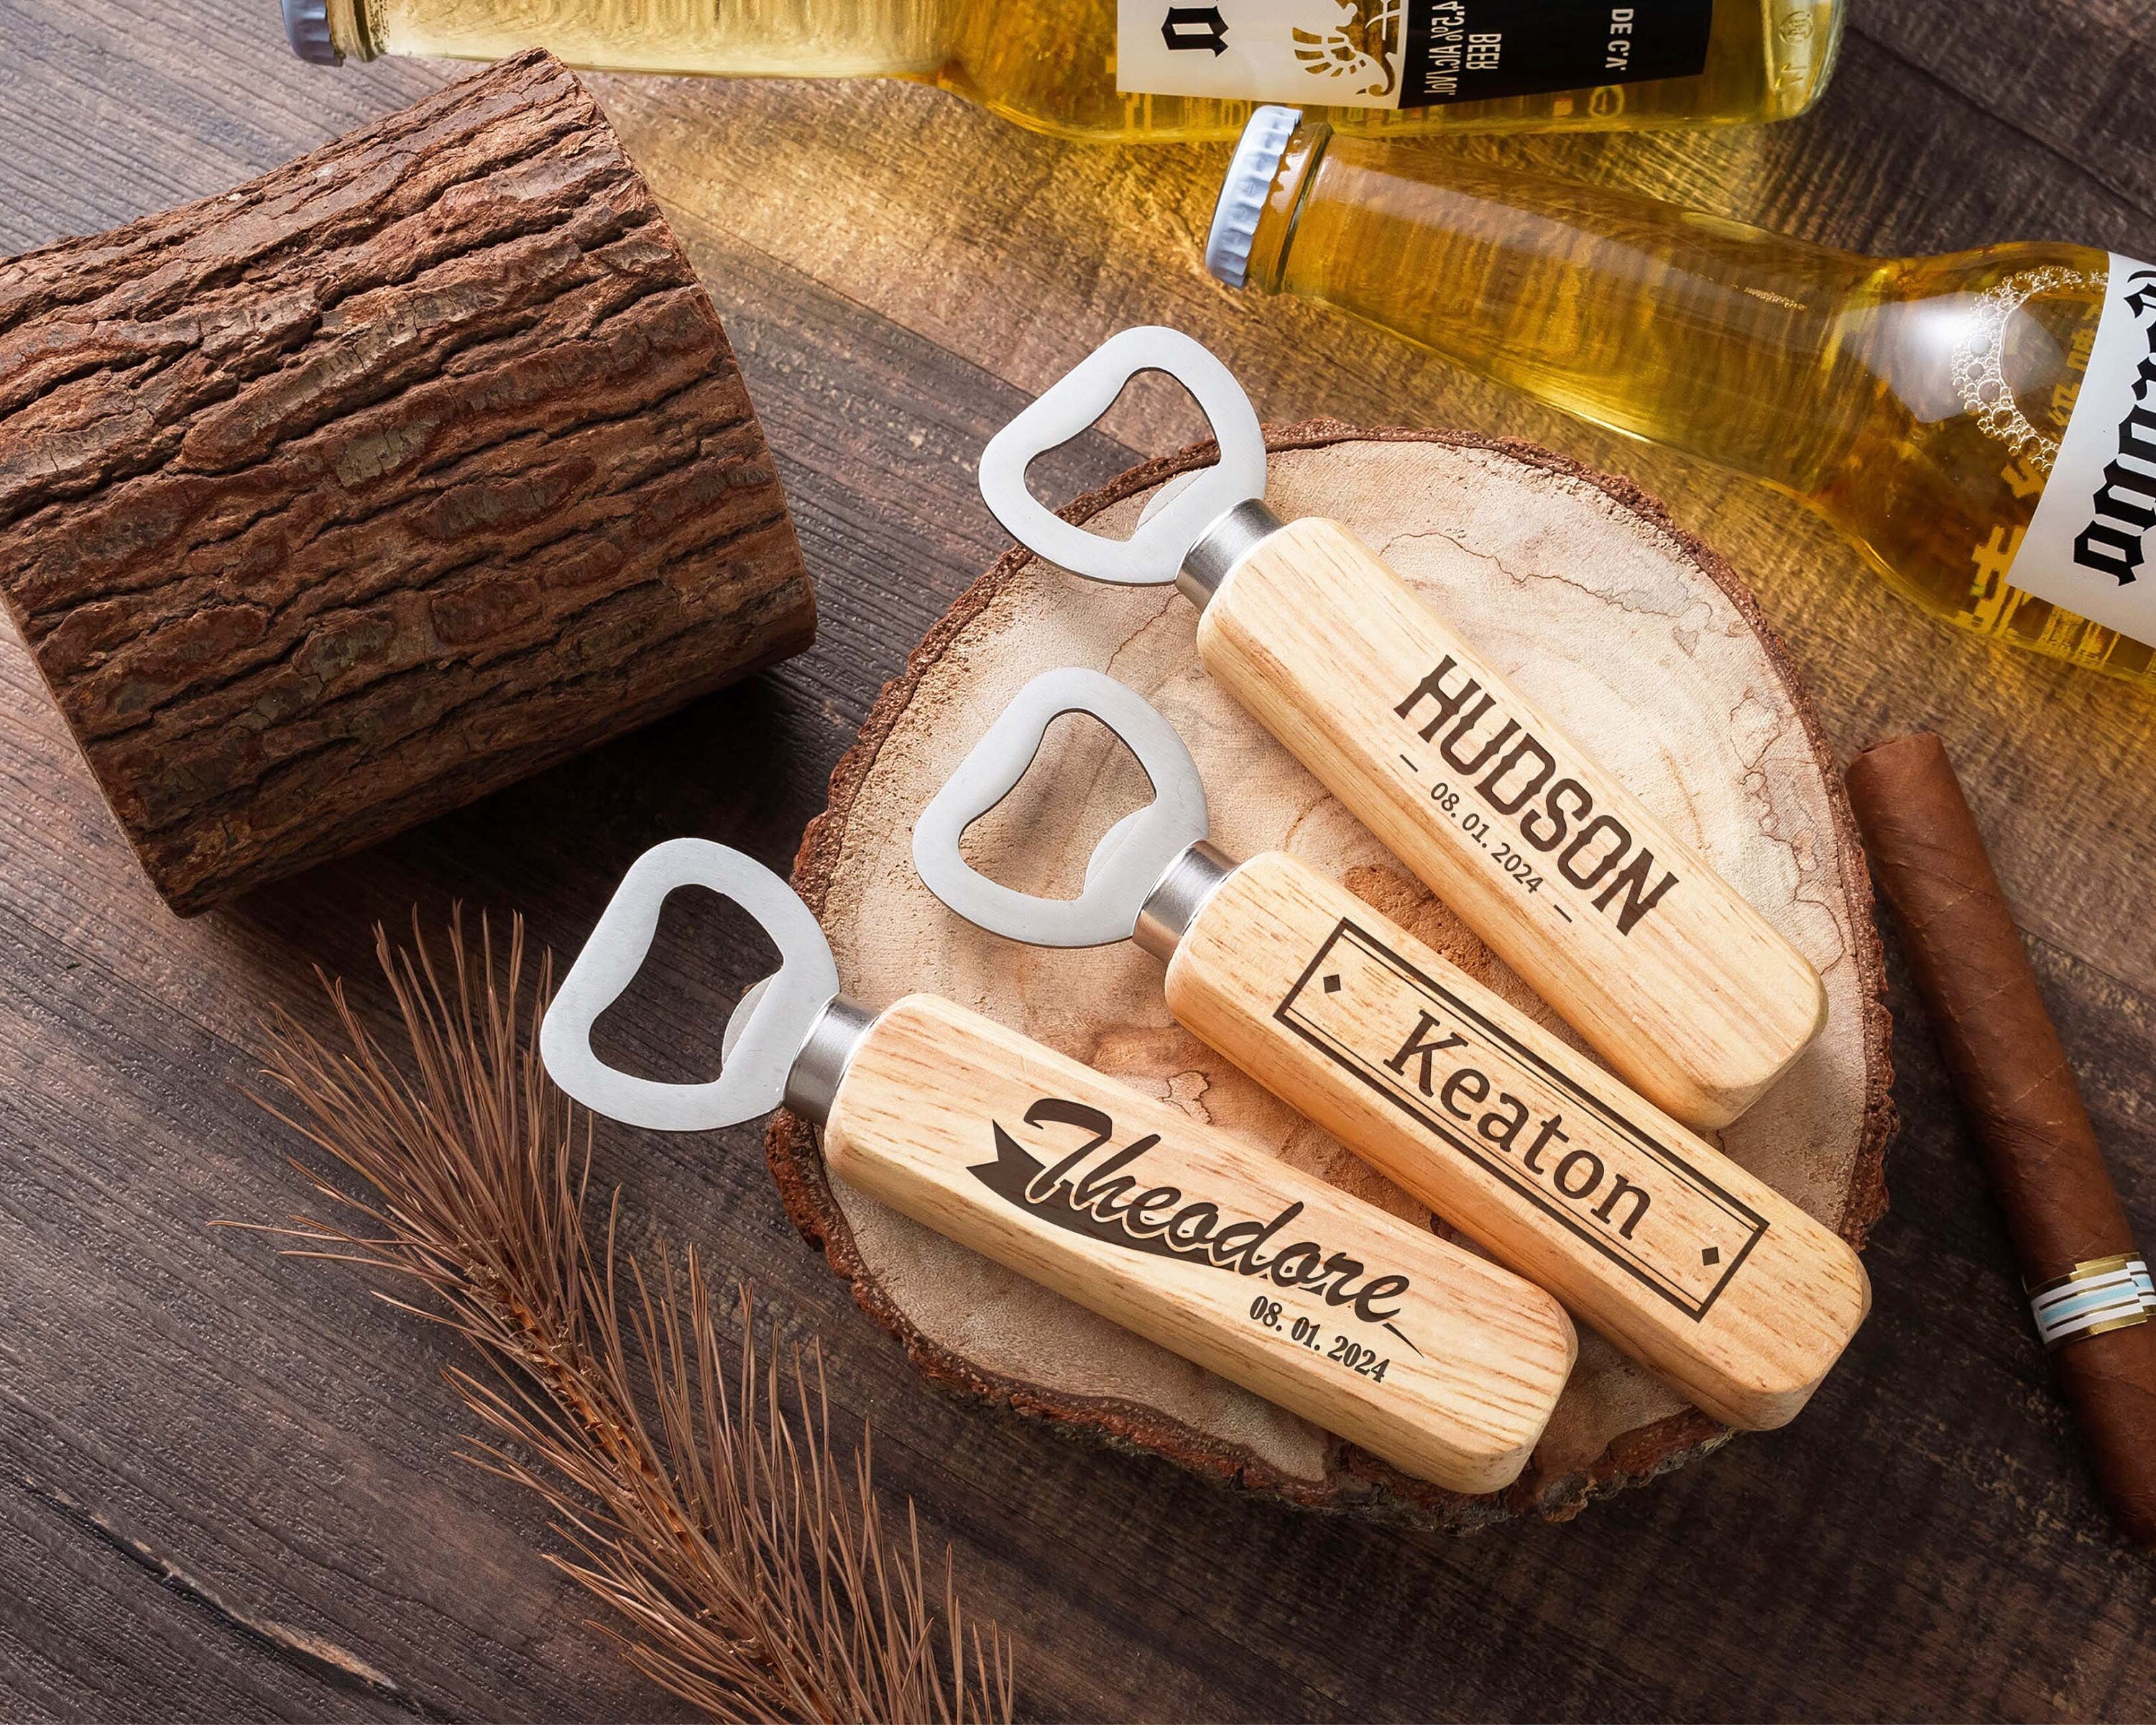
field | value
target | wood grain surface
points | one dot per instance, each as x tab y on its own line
1473	1366
1745	1324
227	1488
1689	995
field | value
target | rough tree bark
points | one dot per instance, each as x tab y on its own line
1637	638
340	500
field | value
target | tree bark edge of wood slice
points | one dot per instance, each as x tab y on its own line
396	475
1668	1434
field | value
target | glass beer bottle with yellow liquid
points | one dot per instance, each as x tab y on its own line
1125	70
1982	425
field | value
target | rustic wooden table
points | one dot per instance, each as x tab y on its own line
227	1488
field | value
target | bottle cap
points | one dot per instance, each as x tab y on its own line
307	28
1243	192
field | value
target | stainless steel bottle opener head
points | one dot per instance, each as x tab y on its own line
769	1027
1133	857
1165	542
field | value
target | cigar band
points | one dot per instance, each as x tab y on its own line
2095	1296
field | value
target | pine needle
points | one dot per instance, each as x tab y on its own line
692	1482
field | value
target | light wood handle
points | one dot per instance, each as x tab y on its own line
1433	1358
1701	1272
1688	993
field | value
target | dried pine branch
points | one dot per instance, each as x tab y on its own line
694	1483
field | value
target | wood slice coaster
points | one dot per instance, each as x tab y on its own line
1638	639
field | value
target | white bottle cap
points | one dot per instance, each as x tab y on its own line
1243	192
307	28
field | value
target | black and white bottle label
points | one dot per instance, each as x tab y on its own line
1402	54
2089	545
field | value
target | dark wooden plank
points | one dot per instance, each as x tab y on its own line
1023	1502
114	108
898	271
83	888
121	1632
2080	79
207	1410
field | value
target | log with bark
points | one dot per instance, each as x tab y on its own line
335	501
1637	638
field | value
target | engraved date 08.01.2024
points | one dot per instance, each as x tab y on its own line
1308	1332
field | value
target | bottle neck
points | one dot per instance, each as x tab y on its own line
1293	181
1684	329
349	31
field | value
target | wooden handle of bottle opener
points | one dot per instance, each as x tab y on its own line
1684	988
1692	1266
1438	1361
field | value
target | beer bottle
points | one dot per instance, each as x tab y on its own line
1982	425
1168	69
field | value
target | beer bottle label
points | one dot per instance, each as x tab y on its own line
1402	54
2087	547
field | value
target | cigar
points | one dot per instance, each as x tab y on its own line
2088	1286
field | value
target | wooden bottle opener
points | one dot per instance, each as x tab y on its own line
1688	993
1439	1362
1703	1273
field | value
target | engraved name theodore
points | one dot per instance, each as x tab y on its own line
1478	1092
1091	1189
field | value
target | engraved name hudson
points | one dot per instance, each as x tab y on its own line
1515	775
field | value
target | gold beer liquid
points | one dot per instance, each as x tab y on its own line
1051	64
1869	388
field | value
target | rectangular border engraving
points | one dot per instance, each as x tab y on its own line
1409	1101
